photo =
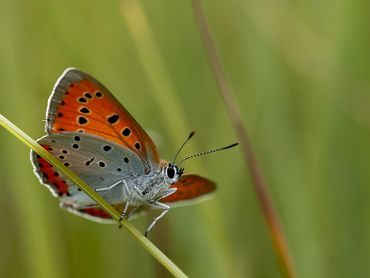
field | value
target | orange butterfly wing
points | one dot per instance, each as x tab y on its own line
190	187
81	103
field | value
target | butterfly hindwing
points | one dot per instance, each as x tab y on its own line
98	214
80	103
98	163
189	188
49	176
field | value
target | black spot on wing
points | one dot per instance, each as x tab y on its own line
87	163
126	132
88	95
82	120
113	119
107	148
85	110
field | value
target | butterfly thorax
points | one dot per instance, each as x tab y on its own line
148	189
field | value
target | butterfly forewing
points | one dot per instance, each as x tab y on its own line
81	103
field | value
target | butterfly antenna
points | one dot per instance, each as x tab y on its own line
183	144
208	152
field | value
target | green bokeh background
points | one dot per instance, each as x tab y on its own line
300	74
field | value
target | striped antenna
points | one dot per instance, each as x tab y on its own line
183	144
207	152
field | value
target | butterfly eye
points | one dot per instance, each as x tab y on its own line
170	172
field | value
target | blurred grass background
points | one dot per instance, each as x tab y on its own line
300	72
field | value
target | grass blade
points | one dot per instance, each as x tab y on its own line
147	244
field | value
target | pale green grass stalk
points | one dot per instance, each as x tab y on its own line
147	244
260	186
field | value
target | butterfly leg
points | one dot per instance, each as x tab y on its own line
129	215
128	202
133	211
124	210
108	187
155	220
126	205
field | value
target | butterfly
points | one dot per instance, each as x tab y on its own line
96	137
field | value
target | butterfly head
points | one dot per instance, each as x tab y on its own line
172	173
